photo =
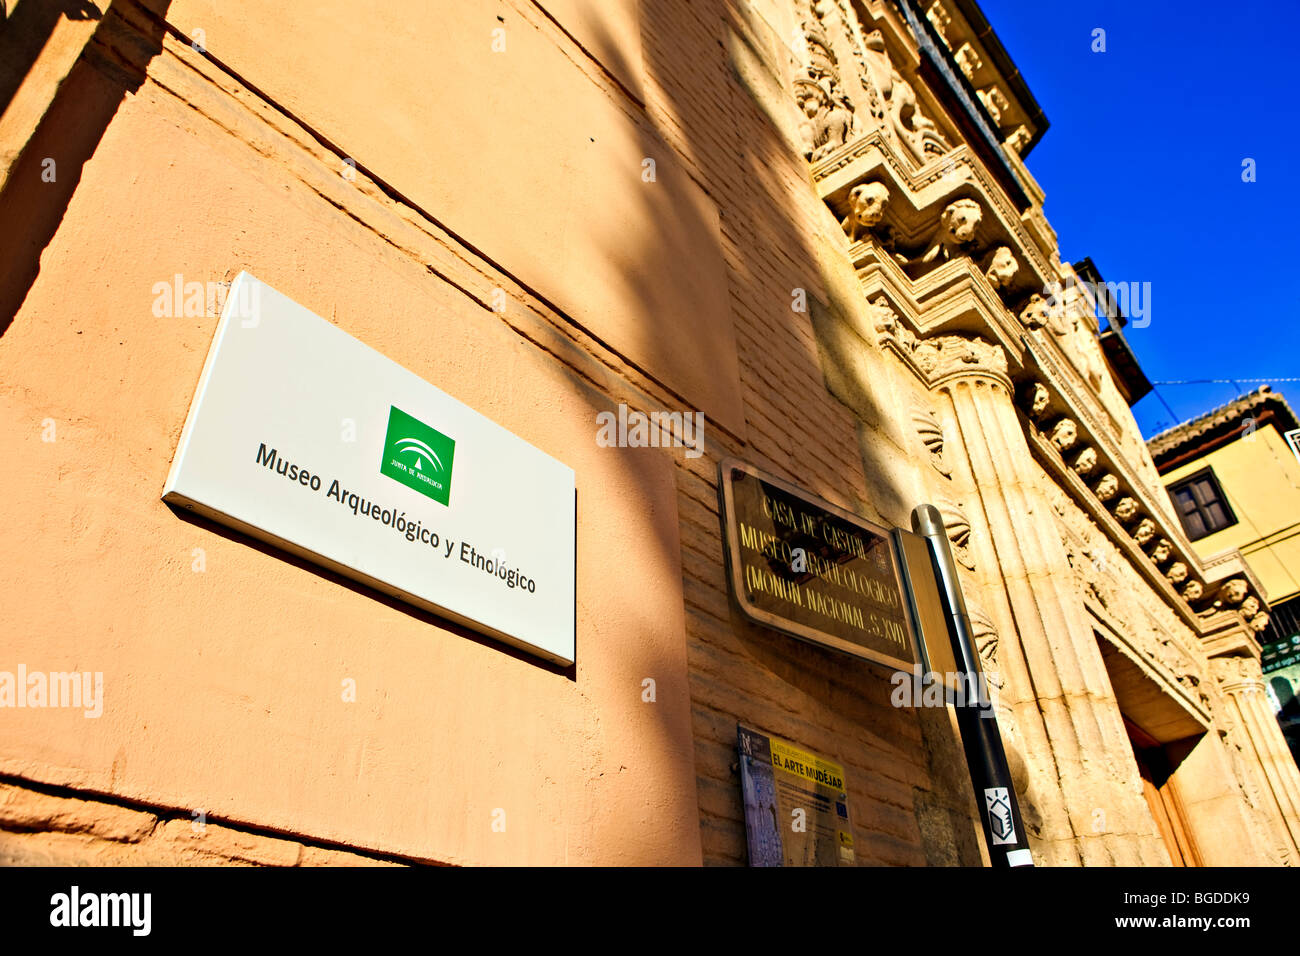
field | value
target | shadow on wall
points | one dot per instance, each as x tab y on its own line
38	191
833	703
24	33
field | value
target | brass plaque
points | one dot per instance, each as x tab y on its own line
800	565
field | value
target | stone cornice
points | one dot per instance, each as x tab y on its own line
954	298
1066	478
1124	510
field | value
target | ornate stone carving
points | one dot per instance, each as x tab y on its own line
1193	590
1177	573
1250	606
866	209
1088	561
1160	553
1230	671
945	354
828	122
1019	139
1064	433
829	119
1001	268
994	102
883	318
1107	487
955	235
1234	591
1036	313
878	97
1144	532
985	636
1259	623
968	61
1169	655
1085	463
1036	400
902	119
958	527
1126	509
939	19
931	432
1229	594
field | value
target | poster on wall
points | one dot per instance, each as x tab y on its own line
796	804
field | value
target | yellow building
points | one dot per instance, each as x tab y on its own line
1233	476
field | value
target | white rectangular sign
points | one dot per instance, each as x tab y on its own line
305	438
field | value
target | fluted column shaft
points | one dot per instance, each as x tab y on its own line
1054	673
1256	732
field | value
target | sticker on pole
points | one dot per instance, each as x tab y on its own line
998	804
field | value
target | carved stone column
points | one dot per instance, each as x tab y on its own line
1252	729
1055	681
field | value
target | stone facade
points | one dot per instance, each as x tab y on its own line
765	210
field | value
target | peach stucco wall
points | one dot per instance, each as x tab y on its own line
223	686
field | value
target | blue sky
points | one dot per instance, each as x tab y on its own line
1142	167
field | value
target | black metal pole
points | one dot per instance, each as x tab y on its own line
1004	831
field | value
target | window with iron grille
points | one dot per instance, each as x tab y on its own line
1201	505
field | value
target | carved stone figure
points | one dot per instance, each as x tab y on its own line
1259	623
866	209
1234	592
1107	487
903	119
1038	398
968	61
1126	509
1160	553
1145	531
1018	140
994	102
1250	606
883	316
954	236
939	19
1177	573
1193	590
828	122
1036	312
1085	463
1064	433
1001	268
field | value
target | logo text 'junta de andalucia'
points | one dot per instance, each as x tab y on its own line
418	455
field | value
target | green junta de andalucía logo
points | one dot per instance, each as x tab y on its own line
418	456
